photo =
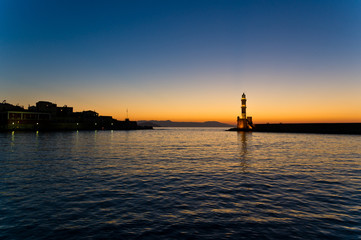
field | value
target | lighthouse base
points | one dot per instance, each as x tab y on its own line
244	124
240	129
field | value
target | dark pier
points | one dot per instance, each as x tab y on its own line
323	128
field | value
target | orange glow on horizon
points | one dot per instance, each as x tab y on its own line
228	114
262	112
207	99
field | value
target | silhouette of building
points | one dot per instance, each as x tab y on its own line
48	116
4	106
64	111
244	122
44	106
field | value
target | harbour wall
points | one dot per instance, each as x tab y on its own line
329	128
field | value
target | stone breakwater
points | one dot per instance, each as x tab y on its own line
327	128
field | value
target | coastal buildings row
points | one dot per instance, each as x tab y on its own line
48	116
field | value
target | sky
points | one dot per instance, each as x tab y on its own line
179	60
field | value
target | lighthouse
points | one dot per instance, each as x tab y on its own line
243	106
244	122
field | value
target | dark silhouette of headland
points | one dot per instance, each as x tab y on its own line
245	123
48	116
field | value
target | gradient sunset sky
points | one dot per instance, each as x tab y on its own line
297	61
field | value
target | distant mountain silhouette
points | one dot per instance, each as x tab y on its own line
168	123
147	123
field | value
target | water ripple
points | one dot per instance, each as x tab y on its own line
179	184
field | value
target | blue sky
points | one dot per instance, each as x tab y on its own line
179	56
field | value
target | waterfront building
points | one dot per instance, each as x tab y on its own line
23	120
48	116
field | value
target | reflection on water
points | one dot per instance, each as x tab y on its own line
242	139
179	184
12	140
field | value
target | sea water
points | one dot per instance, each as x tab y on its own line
179	183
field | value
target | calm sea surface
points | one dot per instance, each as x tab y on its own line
179	184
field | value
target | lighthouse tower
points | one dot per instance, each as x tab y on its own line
243	106
244	122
